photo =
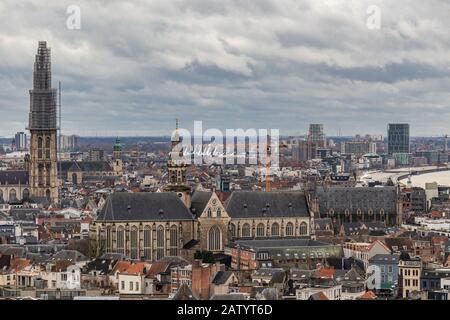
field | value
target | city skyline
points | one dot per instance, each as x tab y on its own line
203	61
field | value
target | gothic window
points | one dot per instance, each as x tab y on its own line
40	146
47	175
289	229
160	239
303	229
275	229
233	230
12	195
25	194
120	235
214	239
147	242
108	239
209	213
246	230
47	148
173	240
134	243
219	213
260	230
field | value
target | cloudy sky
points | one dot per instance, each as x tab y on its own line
135	66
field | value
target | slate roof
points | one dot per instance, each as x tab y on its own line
14	177
104	266
199	201
221	277
70	255
364	198
385	259
90	166
144	206
254	204
185	293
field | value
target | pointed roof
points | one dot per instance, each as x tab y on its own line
185	293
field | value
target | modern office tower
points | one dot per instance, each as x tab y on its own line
20	140
69	142
96	154
42	125
316	135
398	138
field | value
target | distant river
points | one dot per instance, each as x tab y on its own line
442	178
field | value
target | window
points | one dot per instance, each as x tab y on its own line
260	230
383	269
289	229
134	243
390	269
25	194
120	240
233	230
303	229
108	239
219	212
209	213
147	242
137	286
174	240
64	276
40	146
47	148
246	230
275	229
214	235
131	285
160	239
12	195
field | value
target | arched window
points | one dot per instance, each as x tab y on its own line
160	239
209	213
25	194
275	229
233	230
74	178
47	148
303	229
214	235
47	194
147	243
219	213
173	240
108	239
12	195
260	228
134	254
289	229
120	235
40	146
246	231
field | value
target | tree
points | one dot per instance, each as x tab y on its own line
205	256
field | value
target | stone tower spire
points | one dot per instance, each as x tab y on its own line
43	129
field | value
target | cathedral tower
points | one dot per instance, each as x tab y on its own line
42	125
176	170
117	158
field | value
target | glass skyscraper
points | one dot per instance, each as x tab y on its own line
398	138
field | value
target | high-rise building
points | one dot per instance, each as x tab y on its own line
398	138
69	143
20	140
96	154
316	135
43	128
